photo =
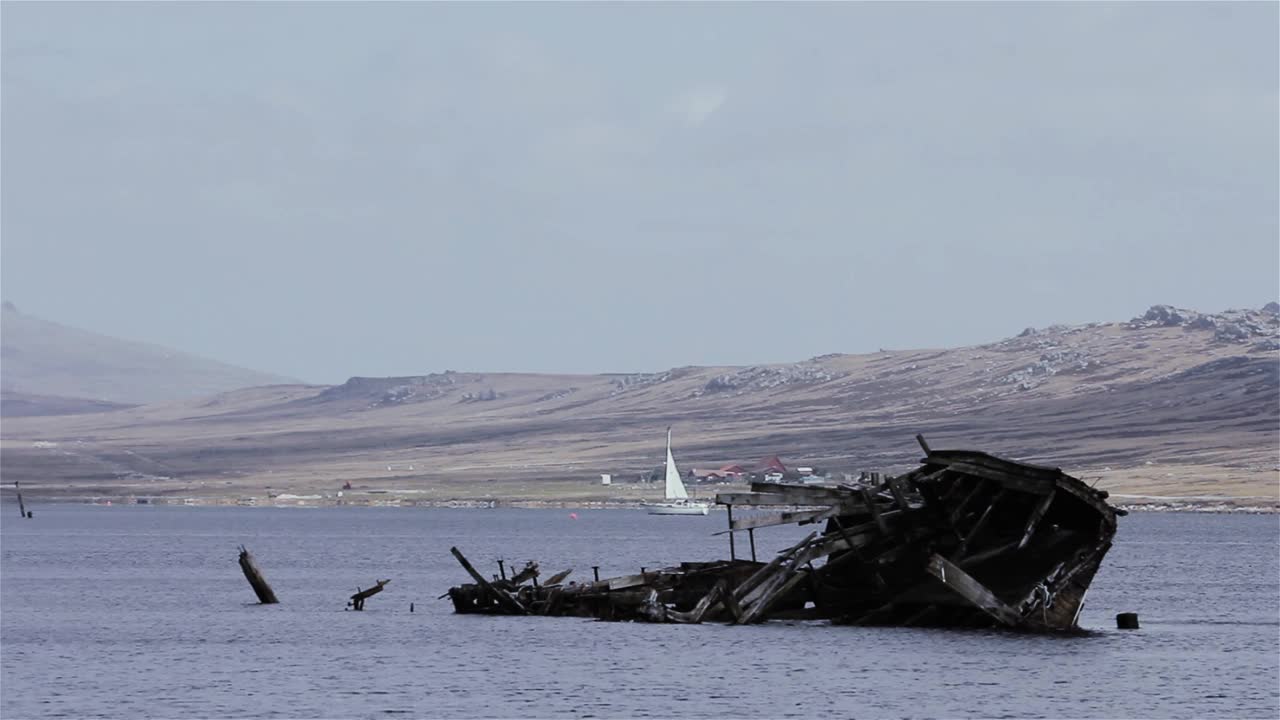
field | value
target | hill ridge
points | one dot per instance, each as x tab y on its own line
1157	404
45	358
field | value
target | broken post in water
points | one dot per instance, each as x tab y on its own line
265	594
357	600
965	540
22	509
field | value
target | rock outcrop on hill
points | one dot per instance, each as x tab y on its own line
1256	327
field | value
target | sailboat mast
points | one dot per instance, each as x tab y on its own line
674	487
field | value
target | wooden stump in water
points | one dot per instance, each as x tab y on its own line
1127	621
22	508
251	572
357	600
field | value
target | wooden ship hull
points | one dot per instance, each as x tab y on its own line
965	540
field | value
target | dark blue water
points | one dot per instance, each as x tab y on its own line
133	612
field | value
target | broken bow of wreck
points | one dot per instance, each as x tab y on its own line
965	540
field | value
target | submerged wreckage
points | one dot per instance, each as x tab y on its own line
965	540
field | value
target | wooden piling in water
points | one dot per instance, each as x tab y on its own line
357	600
265	594
22	509
1127	621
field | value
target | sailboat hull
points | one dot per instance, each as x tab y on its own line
677	509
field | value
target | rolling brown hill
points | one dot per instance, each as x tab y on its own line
55	369
1173	402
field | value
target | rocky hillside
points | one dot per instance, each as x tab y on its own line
1186	400
54	369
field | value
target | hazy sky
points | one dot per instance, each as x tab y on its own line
333	189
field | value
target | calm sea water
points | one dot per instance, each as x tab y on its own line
137	612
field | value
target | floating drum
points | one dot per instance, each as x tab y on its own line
1127	621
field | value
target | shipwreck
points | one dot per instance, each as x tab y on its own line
967	539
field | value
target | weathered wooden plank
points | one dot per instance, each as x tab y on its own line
875	511
748	600
978	526
852	538
957	485
504	598
357	600
554	599
1041	508
779	591
530	572
628	581
731	605
714	595
959	512
558	578
814	491
265	594
759	576
985	555
753	602
781	518
974	457
774	498
977	594
923	445
899	497
1021	483
733	551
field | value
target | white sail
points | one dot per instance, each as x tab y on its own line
675	488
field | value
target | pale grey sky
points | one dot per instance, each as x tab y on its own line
334	189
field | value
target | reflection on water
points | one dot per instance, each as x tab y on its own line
142	612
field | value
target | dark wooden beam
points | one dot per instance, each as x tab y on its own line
923	445
977	594
357	600
505	600
265	594
958	513
875	511
978	526
1041	508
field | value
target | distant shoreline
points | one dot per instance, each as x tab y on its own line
1160	504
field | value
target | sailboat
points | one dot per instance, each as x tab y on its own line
677	498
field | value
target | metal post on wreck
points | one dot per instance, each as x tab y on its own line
732	551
